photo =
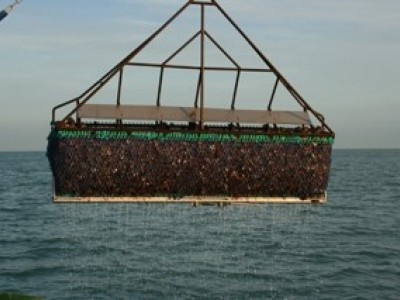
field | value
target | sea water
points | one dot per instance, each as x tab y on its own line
346	249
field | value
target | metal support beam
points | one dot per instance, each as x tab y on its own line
235	90
160	86
179	50
273	94
120	79
196	100
202	61
187	67
222	50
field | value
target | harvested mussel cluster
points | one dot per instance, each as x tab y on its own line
151	164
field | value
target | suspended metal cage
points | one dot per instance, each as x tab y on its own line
118	152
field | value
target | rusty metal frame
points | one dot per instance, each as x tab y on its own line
202	68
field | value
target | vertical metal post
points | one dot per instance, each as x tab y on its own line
202	68
273	94
235	90
196	99
121	74
78	120
160	82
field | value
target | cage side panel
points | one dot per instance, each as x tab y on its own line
92	167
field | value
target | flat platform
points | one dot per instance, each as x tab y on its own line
195	201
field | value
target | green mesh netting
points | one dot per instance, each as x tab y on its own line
191	137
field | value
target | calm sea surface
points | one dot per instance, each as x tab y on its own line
347	249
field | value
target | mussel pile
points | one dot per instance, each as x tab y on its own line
124	167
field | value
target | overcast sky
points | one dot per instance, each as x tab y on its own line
342	56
